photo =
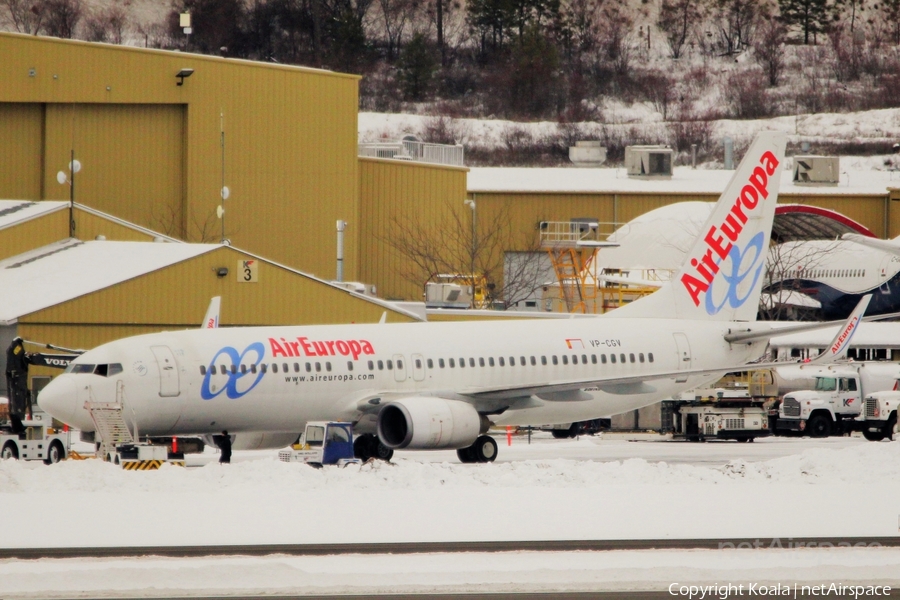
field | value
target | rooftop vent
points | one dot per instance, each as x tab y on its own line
648	161
587	154
817	170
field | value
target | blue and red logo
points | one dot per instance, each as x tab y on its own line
240	381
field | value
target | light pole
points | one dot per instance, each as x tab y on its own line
471	204
63	179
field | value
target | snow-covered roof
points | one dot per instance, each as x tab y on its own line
13	212
683	181
65	270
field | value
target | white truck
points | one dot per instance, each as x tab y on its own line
833	407
879	418
39	440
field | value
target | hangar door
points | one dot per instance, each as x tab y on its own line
21	127
131	155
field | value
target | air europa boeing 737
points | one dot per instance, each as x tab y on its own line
442	385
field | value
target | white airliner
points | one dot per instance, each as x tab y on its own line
441	385
821	277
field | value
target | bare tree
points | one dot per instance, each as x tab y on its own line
735	21
677	20
106	25
615	35
395	16
456	246
890	11
580	28
787	265
769	49
62	17
26	16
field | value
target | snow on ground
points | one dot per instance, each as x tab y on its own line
448	572
591	488
873	125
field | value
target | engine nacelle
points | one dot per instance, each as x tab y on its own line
257	440
422	423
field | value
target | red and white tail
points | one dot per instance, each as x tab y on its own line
211	320
723	273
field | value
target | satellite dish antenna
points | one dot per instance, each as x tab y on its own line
74	166
225	192
61	178
220	210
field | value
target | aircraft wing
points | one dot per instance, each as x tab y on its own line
633	384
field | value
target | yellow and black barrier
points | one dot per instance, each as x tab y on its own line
148	465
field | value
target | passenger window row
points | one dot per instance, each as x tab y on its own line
462	363
274	368
523	361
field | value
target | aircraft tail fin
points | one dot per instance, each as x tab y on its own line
838	347
211	320
723	274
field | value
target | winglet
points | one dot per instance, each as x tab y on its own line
838	347
211	320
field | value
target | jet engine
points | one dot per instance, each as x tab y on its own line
257	440
420	423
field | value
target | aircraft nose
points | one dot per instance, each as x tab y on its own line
58	399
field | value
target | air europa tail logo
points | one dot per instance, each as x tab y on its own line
303	346
720	238
845	335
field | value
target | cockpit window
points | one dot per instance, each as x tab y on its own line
82	368
101	370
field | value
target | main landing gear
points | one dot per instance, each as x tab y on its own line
483	450
369	446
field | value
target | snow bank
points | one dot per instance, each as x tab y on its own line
265	501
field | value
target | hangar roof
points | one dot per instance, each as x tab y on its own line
60	272
13	212
683	181
54	274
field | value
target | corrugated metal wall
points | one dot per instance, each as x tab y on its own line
132	160
394	194
21	137
289	152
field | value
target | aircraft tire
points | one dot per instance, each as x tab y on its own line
383	452
819	426
484	449
9	451
466	455
55	453
560	434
